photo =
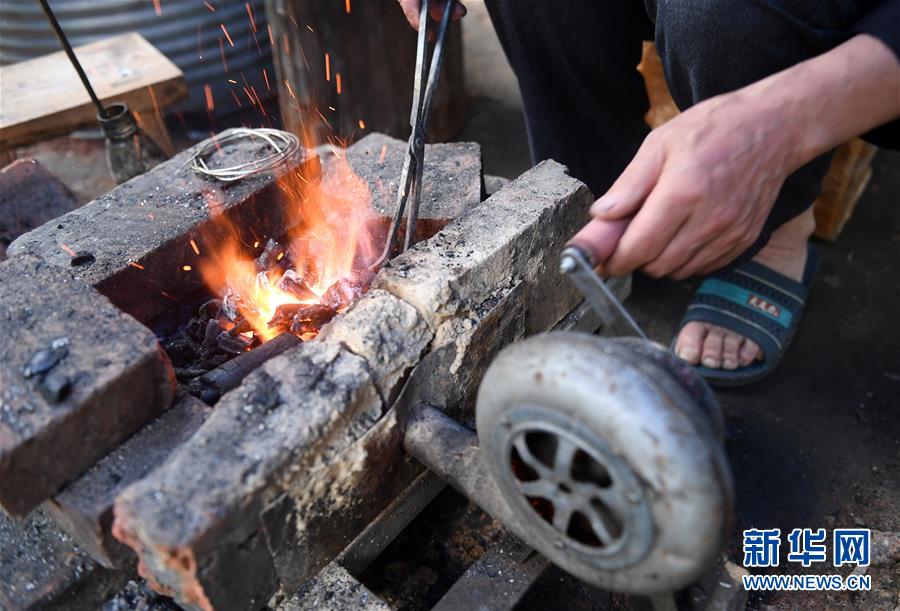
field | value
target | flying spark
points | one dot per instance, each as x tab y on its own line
327	67
195	248
210	103
231	42
135	265
250	14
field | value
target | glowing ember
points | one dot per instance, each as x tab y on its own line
315	271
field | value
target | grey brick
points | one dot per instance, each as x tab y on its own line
111	377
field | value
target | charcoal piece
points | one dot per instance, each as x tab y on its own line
266	260
284	315
211	333
55	387
211	361
188	373
212	385
210	309
291	282
311	318
342	293
232	344
46	359
241	325
230	302
180	349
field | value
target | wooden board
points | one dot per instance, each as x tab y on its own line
43	97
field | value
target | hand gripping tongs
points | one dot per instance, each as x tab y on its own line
414	163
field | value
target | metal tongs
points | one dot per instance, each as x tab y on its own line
414	163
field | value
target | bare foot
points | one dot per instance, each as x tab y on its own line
716	347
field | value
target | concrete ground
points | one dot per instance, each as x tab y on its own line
818	443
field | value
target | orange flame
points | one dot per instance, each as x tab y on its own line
329	242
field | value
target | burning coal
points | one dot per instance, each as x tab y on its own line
316	270
293	284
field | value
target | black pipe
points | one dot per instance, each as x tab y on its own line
64	41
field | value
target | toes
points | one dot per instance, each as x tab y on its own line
731	347
712	347
690	341
749	352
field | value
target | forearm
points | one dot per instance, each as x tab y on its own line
826	100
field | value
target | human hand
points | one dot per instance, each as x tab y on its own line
411	9
699	189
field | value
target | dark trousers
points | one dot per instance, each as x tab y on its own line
585	101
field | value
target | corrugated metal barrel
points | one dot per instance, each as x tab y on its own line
351	63
186	31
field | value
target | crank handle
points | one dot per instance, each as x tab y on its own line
598	239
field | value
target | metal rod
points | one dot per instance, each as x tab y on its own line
576	263
64	41
452	452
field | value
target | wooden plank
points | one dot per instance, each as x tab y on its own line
43	97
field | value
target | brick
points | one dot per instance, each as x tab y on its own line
196	521
84	508
452	180
387	332
150	221
196	528
111	377
516	234
29	197
41	567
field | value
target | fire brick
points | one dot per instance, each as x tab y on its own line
84	508
196	521
150	220
387	332
251	493
77	377
452	182
516	235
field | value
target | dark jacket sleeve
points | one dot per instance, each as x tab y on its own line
882	20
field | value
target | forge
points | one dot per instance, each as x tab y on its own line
281	368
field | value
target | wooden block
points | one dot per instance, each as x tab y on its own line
662	106
842	187
43	97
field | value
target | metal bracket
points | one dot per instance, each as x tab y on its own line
576	264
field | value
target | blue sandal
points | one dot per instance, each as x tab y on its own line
759	304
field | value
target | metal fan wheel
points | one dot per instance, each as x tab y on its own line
609	452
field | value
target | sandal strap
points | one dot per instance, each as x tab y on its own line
751	300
